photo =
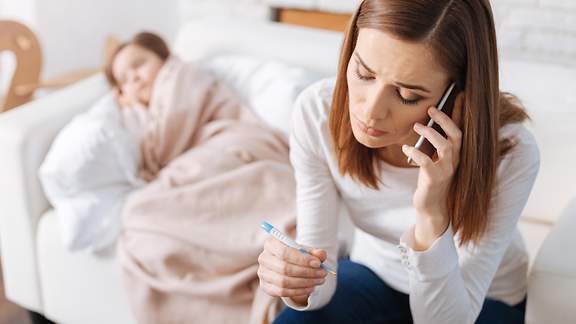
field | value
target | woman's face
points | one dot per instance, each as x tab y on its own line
391	84
135	69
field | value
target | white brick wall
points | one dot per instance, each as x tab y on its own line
542	30
250	9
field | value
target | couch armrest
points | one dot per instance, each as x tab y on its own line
552	280
25	137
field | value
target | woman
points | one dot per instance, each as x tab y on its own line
436	241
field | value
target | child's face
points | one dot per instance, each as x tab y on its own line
135	69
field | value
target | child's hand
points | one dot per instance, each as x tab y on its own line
125	100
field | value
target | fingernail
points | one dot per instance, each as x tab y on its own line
404	147
417	125
319	281
432	110
315	263
320	273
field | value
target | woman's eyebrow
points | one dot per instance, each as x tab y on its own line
401	84
363	64
411	86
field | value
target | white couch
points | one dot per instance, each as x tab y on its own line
41	275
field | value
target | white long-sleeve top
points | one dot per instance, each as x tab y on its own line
447	283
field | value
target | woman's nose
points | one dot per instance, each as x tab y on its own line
376	107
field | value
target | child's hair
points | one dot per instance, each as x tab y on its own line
147	40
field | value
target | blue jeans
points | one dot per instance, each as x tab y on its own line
362	297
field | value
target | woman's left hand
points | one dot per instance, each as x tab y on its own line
435	174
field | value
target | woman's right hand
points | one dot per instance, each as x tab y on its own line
286	272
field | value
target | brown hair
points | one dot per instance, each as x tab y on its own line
147	40
462	36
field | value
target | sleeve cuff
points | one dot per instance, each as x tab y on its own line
290	303
436	262
319	297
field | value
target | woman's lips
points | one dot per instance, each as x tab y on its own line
370	130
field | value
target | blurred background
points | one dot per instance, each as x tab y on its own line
72	33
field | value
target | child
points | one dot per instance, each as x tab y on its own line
131	71
132	68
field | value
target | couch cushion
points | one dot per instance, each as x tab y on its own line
552	281
78	287
556	255
533	234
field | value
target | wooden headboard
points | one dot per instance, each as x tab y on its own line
313	19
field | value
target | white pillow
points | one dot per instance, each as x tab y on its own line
90	168
268	87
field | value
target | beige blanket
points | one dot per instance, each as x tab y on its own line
191	237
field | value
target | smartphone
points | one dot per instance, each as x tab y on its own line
446	105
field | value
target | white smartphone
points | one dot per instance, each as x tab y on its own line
446	105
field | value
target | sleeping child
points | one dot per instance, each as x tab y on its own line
133	67
131	71
211	166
